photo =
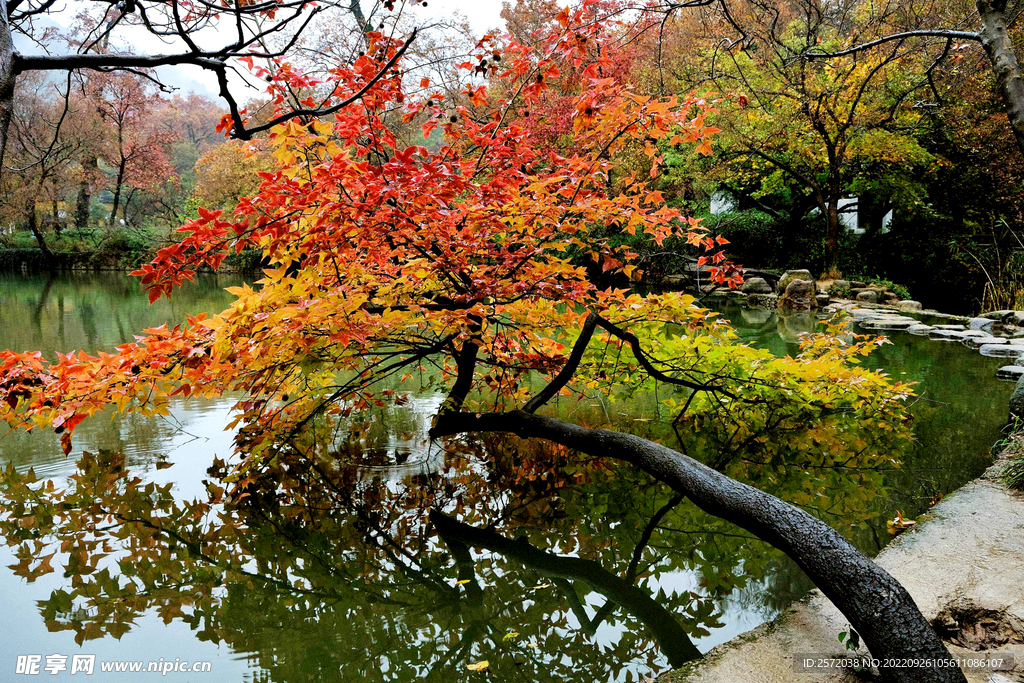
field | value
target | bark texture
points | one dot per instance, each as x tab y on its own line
7	77
877	606
999	48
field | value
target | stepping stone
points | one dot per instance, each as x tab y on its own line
939	334
978	342
886	324
920	330
980	323
948	327
1000	350
1010	372
861	314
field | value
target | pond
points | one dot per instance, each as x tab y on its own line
592	573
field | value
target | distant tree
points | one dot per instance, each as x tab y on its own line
210	36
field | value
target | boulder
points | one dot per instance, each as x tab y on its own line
888	297
869	295
997	315
908	305
857	284
800	296
791	275
823	300
1017	400
756	285
841	284
1010	372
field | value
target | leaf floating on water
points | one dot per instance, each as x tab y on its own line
510	635
539	586
478	666
462	583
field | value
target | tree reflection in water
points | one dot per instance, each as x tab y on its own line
547	565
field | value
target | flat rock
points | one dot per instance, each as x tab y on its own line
1000	350
886	324
1010	372
948	327
980	323
920	330
947	335
978	342
997	315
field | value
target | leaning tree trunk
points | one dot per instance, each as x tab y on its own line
876	605
999	48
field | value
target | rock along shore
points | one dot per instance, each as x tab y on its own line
963	563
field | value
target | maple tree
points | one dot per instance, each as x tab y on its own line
387	259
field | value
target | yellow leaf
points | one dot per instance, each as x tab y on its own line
478	666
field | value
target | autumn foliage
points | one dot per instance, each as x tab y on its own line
381	255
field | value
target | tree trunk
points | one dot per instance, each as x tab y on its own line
877	606
7	78
84	202
33	226
999	49
832	227
117	194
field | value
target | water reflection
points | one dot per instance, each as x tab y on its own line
546	567
92	311
378	555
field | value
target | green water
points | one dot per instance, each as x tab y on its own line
610	579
